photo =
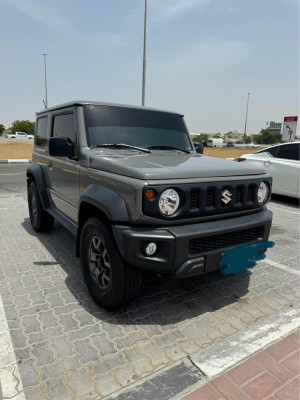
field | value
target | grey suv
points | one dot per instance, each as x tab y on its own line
128	183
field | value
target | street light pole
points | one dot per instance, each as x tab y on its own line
144	56
45	102
245	130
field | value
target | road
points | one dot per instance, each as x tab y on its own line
12	179
56	343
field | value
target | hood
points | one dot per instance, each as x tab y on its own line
167	165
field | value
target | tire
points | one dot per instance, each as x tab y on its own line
110	280
41	221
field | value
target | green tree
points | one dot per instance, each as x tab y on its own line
266	138
217	136
2	129
23	126
200	137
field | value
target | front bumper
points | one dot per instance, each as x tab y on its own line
194	249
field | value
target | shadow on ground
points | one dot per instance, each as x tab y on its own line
160	301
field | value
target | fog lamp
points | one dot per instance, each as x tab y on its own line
151	249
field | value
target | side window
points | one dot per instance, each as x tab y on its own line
289	152
64	126
41	132
271	150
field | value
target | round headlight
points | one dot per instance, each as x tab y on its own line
169	202
263	192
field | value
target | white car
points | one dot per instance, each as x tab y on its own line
19	135
253	145
282	162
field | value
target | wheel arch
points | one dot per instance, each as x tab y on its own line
35	174
103	203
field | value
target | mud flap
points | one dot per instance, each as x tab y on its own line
236	261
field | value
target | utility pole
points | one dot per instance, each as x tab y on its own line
45	63
245	130
144	56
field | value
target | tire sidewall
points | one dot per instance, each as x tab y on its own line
33	193
111	296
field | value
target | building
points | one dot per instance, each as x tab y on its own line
235	135
275	128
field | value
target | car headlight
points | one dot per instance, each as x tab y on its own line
262	193
169	202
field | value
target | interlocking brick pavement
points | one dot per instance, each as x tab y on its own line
66	346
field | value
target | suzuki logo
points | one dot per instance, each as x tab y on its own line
226	196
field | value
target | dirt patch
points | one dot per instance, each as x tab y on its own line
227	152
15	150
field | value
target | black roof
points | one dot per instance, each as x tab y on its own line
99	103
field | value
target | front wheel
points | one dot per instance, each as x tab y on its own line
111	282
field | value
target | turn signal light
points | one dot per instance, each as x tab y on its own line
150	194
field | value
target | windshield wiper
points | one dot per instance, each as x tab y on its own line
121	146
167	148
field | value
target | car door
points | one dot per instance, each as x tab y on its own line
284	168
63	172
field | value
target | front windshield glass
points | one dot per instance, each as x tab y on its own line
135	127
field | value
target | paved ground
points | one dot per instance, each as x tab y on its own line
12	179
56	343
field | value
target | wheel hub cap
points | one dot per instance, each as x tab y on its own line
99	262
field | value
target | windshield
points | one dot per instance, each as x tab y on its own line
135	127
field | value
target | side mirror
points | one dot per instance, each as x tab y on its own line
198	147
60	147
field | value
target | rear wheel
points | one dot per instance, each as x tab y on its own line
41	221
112	282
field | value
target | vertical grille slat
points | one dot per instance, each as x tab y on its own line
250	194
194	203
210	197
239	195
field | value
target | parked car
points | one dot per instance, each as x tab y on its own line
19	135
215	143
282	162
128	183
253	145
229	144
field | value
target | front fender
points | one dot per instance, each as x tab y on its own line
107	201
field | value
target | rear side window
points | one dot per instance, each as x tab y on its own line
271	150
289	152
64	126
41	132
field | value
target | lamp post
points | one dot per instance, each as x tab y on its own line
245	130
45	63
144	55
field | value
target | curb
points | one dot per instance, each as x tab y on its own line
15	161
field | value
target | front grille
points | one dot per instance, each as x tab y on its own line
215	242
208	199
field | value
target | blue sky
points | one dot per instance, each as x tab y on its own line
203	56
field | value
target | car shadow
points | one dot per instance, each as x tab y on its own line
167	301
287	201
